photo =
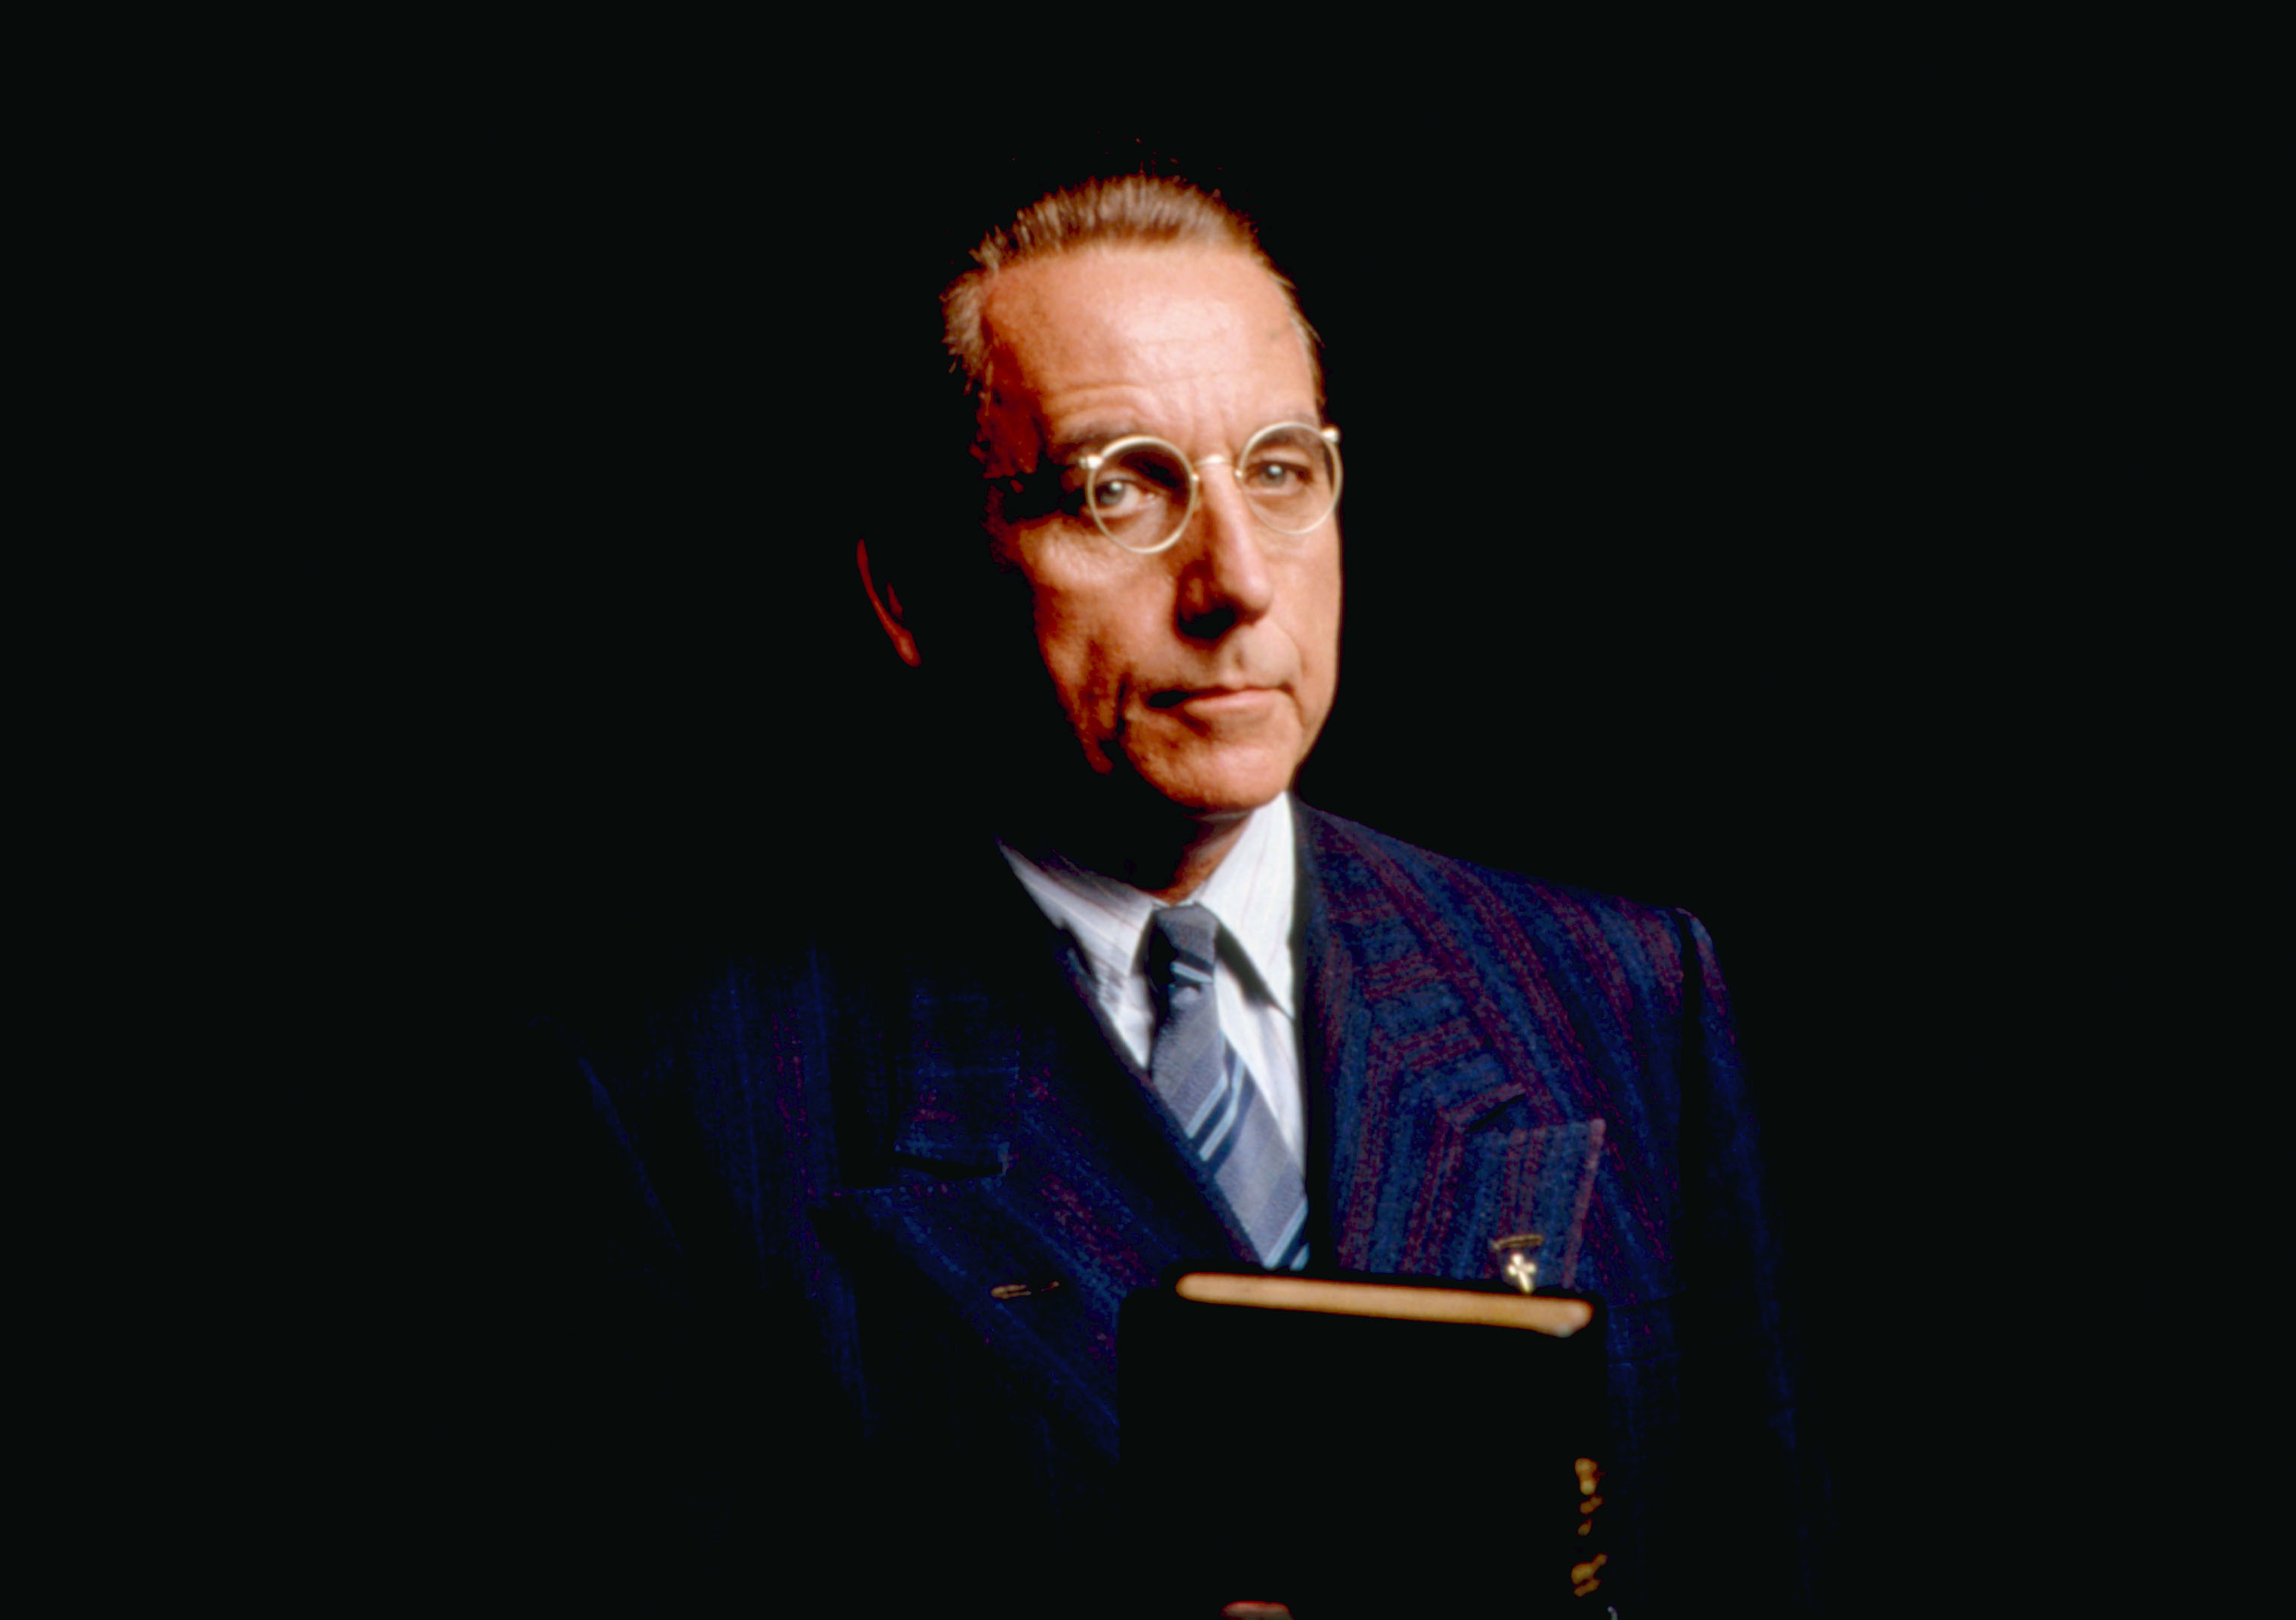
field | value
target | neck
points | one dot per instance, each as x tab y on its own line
1167	856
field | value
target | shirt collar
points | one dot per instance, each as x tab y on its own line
1251	892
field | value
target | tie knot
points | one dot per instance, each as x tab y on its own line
1181	944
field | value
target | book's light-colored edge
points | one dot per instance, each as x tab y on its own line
1556	1318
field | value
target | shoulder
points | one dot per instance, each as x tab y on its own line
769	986
1362	871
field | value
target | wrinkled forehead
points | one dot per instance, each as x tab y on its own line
1150	305
1139	332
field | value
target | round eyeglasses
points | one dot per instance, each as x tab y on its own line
1142	491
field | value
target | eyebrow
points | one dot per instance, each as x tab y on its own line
1070	446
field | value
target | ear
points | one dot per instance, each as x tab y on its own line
887	601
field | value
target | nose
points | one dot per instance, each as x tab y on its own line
1225	579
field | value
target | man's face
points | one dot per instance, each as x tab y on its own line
1205	671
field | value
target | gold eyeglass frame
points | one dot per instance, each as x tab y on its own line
1091	461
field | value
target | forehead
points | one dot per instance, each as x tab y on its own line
1194	329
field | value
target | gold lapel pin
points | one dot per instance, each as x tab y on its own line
1519	1267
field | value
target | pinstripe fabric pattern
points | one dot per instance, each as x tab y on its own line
920	1146
1212	1097
1500	1007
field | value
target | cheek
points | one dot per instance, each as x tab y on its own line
1087	649
1071	654
1316	630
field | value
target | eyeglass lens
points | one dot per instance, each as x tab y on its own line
1139	493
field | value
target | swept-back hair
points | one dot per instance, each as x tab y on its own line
1131	210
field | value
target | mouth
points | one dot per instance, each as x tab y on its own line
1201	698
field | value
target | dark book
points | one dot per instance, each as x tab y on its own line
1352	1445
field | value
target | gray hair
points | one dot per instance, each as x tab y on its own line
1130	210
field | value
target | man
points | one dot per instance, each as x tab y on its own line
870	1201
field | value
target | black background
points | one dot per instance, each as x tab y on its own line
1675	444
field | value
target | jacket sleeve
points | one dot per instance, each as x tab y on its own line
647	1414
1752	1473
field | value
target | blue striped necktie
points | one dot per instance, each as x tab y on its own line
1212	1095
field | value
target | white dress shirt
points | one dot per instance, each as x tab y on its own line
1252	894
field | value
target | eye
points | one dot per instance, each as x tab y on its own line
1119	498
1284	475
1140	483
1273	475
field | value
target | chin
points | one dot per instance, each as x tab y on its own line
1218	788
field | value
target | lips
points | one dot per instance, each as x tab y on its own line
1208	697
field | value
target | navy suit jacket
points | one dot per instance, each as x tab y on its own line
862	1215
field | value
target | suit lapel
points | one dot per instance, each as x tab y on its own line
1461	1129
1033	1179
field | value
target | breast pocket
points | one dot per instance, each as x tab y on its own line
1497	1195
